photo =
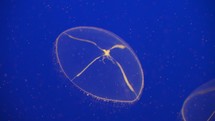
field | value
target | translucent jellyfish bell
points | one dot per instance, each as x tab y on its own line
200	105
100	64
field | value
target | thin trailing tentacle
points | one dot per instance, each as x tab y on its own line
117	46
86	67
124	76
212	115
83	40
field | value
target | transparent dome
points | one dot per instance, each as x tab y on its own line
100	64
200	105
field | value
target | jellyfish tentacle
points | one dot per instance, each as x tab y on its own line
111	59
83	40
117	46
212	115
95	59
124	76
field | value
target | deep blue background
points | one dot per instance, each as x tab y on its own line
174	40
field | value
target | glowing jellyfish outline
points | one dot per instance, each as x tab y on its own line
106	54
194	94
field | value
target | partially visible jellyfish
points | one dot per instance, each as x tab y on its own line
100	64
200	105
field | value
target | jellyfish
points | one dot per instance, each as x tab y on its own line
100	64
200	104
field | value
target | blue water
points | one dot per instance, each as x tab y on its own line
174	40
